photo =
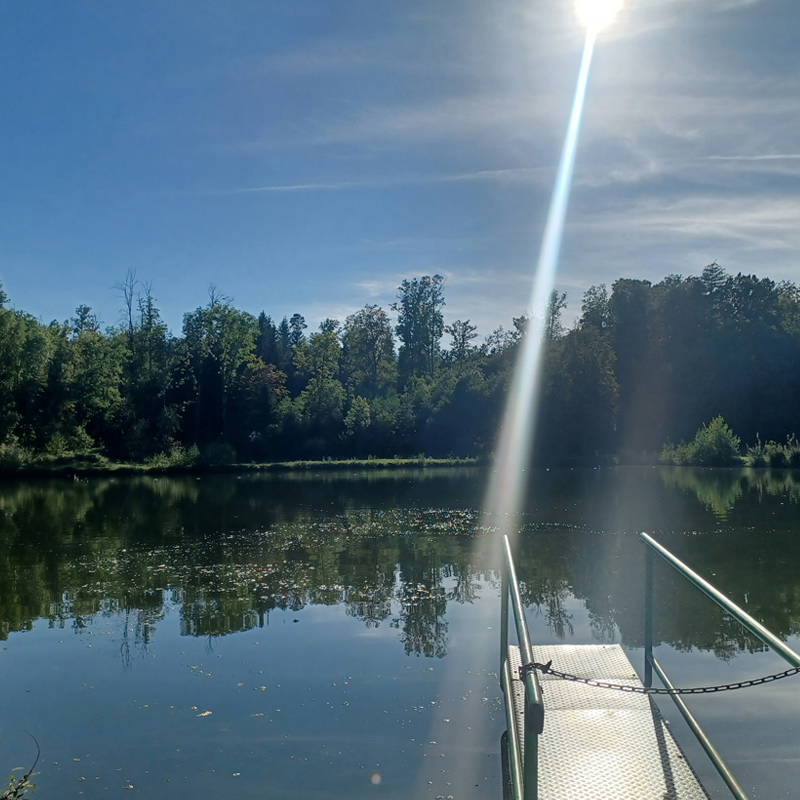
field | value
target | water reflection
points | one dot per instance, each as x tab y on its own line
395	550
719	490
228	553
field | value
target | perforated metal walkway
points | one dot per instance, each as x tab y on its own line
601	744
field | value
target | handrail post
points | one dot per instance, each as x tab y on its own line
648	618
503	616
530	765
534	707
519	618
514	750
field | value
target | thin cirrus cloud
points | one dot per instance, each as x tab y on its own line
771	223
322	56
763	157
490	116
656	237
510	174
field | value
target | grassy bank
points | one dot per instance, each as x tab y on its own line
89	465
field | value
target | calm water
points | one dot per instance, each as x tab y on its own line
337	635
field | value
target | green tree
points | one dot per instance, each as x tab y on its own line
462	333
267	341
581	401
789	304
147	422
221	340
713	278
94	376
25	350
420	324
322	400
329	325
284	343
368	344
358	417
297	325
595	308
84	321
498	341
553	328
639	372
259	392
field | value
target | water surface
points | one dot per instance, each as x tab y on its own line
336	635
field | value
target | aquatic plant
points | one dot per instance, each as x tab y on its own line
18	787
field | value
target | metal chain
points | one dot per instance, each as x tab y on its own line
724	687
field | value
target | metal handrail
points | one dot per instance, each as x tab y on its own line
711	752
741	616
524	755
524	769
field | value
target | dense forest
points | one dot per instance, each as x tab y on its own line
643	365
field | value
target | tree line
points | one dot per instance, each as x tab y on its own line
644	364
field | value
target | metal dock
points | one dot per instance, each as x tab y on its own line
569	740
600	744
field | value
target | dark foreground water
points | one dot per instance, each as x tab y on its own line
337	635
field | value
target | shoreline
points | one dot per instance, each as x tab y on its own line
84	468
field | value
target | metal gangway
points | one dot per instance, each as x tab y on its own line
594	742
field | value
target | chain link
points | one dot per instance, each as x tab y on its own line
547	669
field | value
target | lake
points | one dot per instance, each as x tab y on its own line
336	634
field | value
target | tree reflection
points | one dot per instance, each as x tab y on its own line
224	557
227	553
719	490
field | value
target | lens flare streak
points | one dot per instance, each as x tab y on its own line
517	429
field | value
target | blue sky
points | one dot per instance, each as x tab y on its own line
308	156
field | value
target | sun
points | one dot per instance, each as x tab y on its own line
596	14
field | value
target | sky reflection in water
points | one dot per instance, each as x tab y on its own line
336	626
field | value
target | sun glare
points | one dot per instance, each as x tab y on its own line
506	486
597	14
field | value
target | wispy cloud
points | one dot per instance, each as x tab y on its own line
503	175
739	217
651	237
487	116
508	175
765	224
766	157
324	55
296	187
374	288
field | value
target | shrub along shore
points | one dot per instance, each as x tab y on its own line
716	445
